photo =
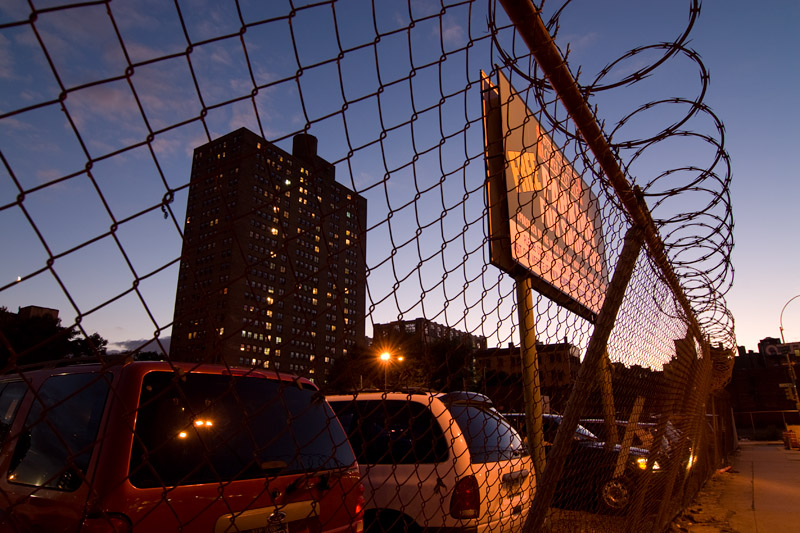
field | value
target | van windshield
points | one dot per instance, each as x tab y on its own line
205	428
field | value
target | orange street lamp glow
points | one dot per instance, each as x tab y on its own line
386	358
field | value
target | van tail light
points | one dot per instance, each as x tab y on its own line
358	519
107	523
466	501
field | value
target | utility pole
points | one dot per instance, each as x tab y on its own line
793	378
789	363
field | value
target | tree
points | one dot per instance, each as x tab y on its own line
449	366
90	346
149	356
37	339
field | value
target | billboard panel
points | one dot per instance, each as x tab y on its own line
544	220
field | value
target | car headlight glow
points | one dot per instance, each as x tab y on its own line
641	462
690	462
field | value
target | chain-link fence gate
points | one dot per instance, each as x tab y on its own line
219	214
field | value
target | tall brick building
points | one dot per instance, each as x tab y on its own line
273	268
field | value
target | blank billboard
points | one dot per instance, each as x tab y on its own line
543	218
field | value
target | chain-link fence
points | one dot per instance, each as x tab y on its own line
236	208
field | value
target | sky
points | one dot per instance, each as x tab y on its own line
98	204
750	51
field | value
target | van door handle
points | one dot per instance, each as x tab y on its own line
513	477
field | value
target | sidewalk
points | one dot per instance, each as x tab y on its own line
759	494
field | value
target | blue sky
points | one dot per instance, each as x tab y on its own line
115	250
751	53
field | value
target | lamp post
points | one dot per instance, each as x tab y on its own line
386	358
789	363
783	341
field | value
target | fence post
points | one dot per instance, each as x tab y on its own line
582	387
693	408
627	439
607	397
530	375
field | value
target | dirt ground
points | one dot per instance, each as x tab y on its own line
706	514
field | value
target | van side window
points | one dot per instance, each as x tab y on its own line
489	436
11	394
60	432
208	428
392	432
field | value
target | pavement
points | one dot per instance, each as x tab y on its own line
759	493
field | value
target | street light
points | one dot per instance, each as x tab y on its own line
386	358
789	364
783	341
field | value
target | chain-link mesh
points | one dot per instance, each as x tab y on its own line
211	199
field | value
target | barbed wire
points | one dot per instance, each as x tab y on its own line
710	227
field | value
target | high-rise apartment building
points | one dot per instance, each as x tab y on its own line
273	267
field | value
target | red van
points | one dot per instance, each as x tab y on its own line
158	446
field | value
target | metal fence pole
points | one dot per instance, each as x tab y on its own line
530	375
582	388
607	397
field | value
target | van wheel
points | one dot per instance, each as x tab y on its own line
389	522
615	494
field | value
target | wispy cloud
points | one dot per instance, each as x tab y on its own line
452	32
141	345
6	59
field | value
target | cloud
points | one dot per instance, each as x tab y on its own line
6	61
452	33
105	103
583	42
47	175
142	345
